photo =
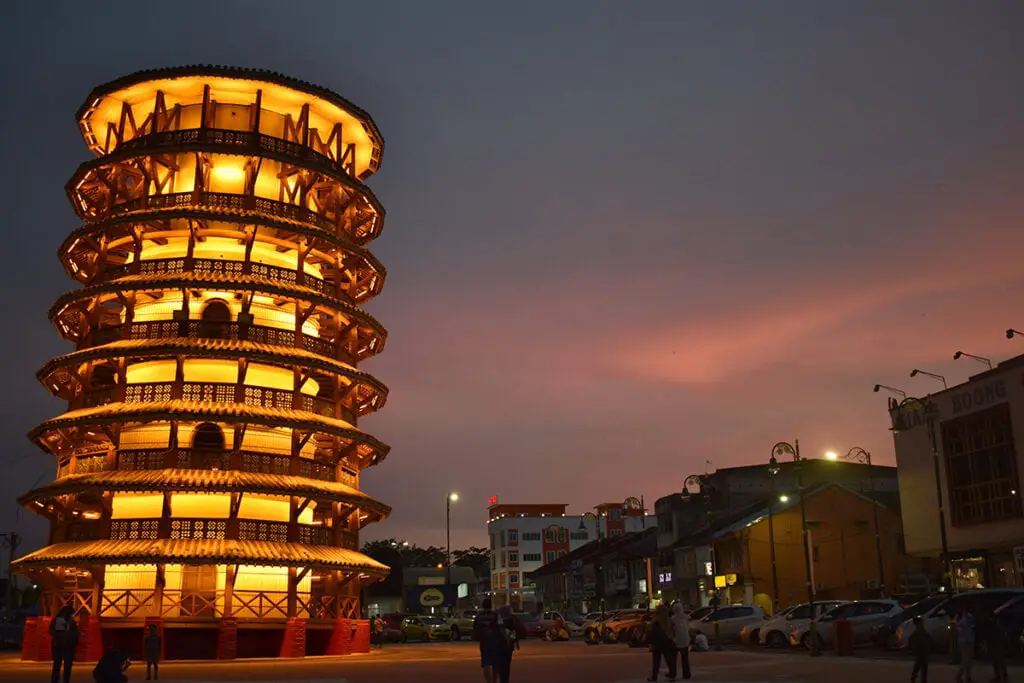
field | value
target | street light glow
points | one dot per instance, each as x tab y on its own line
453	497
783	498
831	455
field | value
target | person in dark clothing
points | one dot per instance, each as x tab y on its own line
488	630
111	667
921	647
63	643
996	641
662	643
508	622
153	645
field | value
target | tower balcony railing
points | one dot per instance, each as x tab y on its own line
219	528
236	141
219	266
142	459
216	392
227	201
196	329
249	605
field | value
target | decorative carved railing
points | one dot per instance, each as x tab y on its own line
259	530
134	529
198	528
177	265
258	142
219	529
209	604
195	329
187	458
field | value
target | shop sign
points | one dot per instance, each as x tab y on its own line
979	397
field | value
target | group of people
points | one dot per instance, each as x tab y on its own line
968	634
499	639
669	639
64	637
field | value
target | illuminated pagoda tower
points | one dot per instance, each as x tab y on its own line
208	464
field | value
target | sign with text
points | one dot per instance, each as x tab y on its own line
421	598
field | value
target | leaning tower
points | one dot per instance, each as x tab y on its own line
208	464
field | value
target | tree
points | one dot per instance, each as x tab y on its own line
476	557
392	551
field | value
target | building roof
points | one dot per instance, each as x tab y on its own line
231	72
209	481
734	520
634	545
201	551
200	410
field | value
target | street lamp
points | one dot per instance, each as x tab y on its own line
1010	332
705	492
780	449
981	359
597	523
633	504
452	498
893	390
915	372
772	471
858	454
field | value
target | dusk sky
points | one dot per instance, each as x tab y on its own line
622	239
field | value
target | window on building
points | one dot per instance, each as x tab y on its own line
513	558
208	437
615	514
531	557
616	532
549	556
503	563
579	536
563	535
531	536
513	537
981	467
551	535
513	579
562	553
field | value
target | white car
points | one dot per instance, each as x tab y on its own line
730	620
775	631
936	620
862	615
575	630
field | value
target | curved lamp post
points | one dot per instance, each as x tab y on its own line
858	454
599	579
699	481
915	372
981	359
771	537
781	450
449	499
633	503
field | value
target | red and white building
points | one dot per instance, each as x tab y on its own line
524	537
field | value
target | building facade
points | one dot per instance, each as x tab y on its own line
975	428
208	463
524	537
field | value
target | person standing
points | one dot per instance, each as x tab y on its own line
921	647
488	630
965	640
662	643
681	631
63	643
512	641
153	645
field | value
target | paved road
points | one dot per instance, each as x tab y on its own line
538	662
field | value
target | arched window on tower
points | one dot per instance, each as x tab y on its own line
207	446
215	322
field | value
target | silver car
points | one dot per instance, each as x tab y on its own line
936	620
775	632
862	615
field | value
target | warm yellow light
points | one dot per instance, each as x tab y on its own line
91	514
831	455
453	497
783	498
440	566
228	174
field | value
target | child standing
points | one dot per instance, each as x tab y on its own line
921	647
153	645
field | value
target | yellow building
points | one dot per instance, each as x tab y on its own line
208	464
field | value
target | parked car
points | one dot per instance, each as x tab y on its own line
775	631
730	621
528	625
461	623
751	633
392	627
884	634
425	628
936	620
618	628
863	615
554	624
1010	616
